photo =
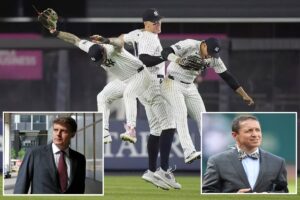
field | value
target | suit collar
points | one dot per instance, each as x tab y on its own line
237	165
52	167
74	164
262	168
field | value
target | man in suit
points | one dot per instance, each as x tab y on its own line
54	168
246	168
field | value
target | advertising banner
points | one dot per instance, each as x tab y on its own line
18	64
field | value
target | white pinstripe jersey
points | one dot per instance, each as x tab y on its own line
145	42
122	64
188	47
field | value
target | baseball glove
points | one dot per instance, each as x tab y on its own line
193	62
48	18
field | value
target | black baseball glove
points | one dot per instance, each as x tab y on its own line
193	62
48	18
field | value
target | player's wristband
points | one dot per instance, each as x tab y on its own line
172	57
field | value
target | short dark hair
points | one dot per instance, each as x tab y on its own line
236	121
69	122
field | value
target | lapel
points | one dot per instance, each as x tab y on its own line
238	167
52	167
73	166
262	168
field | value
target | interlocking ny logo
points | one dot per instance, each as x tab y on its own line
109	63
155	13
217	49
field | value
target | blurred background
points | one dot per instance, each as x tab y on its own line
260	46
278	137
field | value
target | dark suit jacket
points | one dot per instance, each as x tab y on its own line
225	174
38	170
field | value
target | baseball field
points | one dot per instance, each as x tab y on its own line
134	188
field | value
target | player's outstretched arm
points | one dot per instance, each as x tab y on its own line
117	42
233	83
67	37
245	96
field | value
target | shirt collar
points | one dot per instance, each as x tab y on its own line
239	149
55	149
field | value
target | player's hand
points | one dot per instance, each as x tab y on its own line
248	100
245	96
99	39
244	190
96	38
52	30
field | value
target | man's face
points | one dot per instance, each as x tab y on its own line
61	136
154	27
249	136
203	51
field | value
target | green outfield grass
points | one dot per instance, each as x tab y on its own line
134	188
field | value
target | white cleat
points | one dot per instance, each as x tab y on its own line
167	177
129	135
149	177
106	137
193	156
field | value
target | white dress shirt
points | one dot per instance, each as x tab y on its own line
56	154
251	167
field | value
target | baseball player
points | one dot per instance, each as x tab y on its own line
112	57
162	127
178	87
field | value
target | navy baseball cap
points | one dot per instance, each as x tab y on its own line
213	47
96	52
151	15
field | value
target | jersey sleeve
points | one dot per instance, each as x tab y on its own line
218	65
131	36
182	47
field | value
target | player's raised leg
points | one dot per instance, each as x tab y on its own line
136	85
173	91
111	92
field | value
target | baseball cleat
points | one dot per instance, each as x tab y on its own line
149	177
167	177
129	135
193	156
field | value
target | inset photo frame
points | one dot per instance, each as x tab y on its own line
253	153
53	154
